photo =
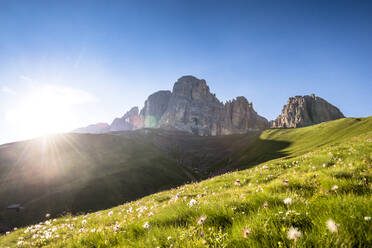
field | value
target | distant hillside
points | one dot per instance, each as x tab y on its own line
88	172
310	187
79	173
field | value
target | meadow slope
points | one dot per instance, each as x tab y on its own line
78	173
314	191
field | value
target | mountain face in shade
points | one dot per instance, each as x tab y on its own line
190	107
302	111
193	108
240	117
130	121
155	106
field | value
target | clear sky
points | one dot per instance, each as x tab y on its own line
65	64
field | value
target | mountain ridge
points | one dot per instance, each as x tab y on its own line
87	172
316	184
191	107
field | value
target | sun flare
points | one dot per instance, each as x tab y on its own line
46	110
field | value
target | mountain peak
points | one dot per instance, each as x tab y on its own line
307	110
189	78
191	107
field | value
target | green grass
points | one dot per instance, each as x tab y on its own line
276	143
326	172
78	173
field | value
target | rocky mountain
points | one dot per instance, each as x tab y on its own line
155	106
302	111
130	121
94	128
193	108
190	107
240	117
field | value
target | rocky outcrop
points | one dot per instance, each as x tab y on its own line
155	106
130	121
193	108
302	111
240	117
94	128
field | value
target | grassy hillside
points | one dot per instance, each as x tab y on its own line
75	173
319	195
275	143
79	173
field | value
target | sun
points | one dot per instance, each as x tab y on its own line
45	110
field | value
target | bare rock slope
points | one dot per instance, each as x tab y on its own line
191	107
302	111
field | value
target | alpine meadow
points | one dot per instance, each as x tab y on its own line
185	123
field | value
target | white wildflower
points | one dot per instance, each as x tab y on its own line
83	222
146	225
335	187
110	213
201	220
332	226
192	202
259	188
169	238
288	201
293	233
367	218
47	215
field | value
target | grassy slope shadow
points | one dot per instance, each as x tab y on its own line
256	152
264	150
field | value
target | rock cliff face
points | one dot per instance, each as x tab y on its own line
240	117
302	111
193	108
130	121
155	106
189	107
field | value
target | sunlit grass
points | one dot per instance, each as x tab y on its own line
318	199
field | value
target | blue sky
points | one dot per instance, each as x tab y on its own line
94	60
